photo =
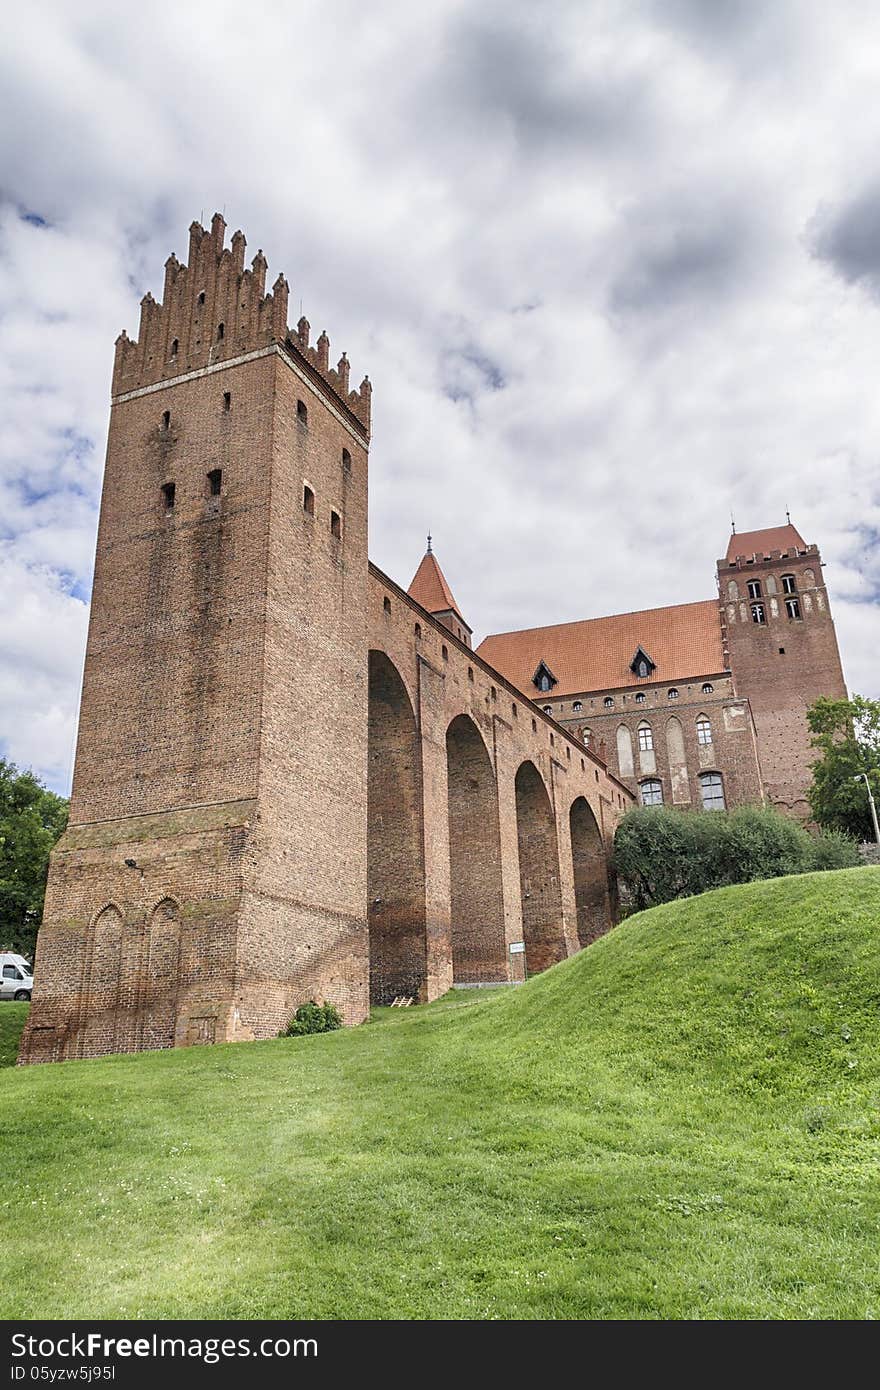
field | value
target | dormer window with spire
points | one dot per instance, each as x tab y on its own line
642	665
544	678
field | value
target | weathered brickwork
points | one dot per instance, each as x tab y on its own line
292	779
784	662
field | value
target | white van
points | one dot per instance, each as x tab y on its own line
16	977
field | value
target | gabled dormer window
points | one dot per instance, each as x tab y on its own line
544	678
641	664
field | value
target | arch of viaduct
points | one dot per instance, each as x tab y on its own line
489	826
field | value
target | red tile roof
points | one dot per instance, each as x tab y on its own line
429	587
749	543
595	654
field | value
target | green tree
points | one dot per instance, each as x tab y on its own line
846	735
31	819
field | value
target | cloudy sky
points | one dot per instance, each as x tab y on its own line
613	269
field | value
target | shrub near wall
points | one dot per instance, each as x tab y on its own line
661	854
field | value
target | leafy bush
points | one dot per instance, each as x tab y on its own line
834	850
312	1018
661	853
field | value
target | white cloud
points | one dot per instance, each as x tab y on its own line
577	258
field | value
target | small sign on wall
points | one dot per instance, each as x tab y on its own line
517	948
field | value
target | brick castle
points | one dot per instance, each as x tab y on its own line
293	778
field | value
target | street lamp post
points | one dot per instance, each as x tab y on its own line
863	777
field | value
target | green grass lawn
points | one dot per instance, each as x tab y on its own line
681	1122
12	1017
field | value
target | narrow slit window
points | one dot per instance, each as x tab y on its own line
386	604
215	482
302	412
166	419
336	525
174	347
346	460
221	332
308	500
227	400
201	297
418	631
168	497
445	653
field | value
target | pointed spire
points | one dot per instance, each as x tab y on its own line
431	591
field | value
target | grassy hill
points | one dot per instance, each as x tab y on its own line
682	1121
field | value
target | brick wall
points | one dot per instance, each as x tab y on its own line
783	664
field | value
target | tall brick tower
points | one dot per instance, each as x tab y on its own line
780	644
213	875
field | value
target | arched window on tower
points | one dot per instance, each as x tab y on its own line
712	791
704	730
651	792
789	584
646	738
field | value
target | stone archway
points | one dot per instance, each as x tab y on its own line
395	852
590	872
543	930
475	889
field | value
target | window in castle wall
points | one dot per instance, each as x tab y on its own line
646	738
708	688
754	588
201	297
577	706
789	584
221	332
672	693
227	400
215	482
302	412
548	709
308	500
793	608
168	490
166	419
608	702
418	631
758	613
174	347
386	604
346	460
712	791
651	792
704	730
640	697
444	652
335	525
587	736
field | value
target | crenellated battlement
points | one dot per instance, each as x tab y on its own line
213	309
